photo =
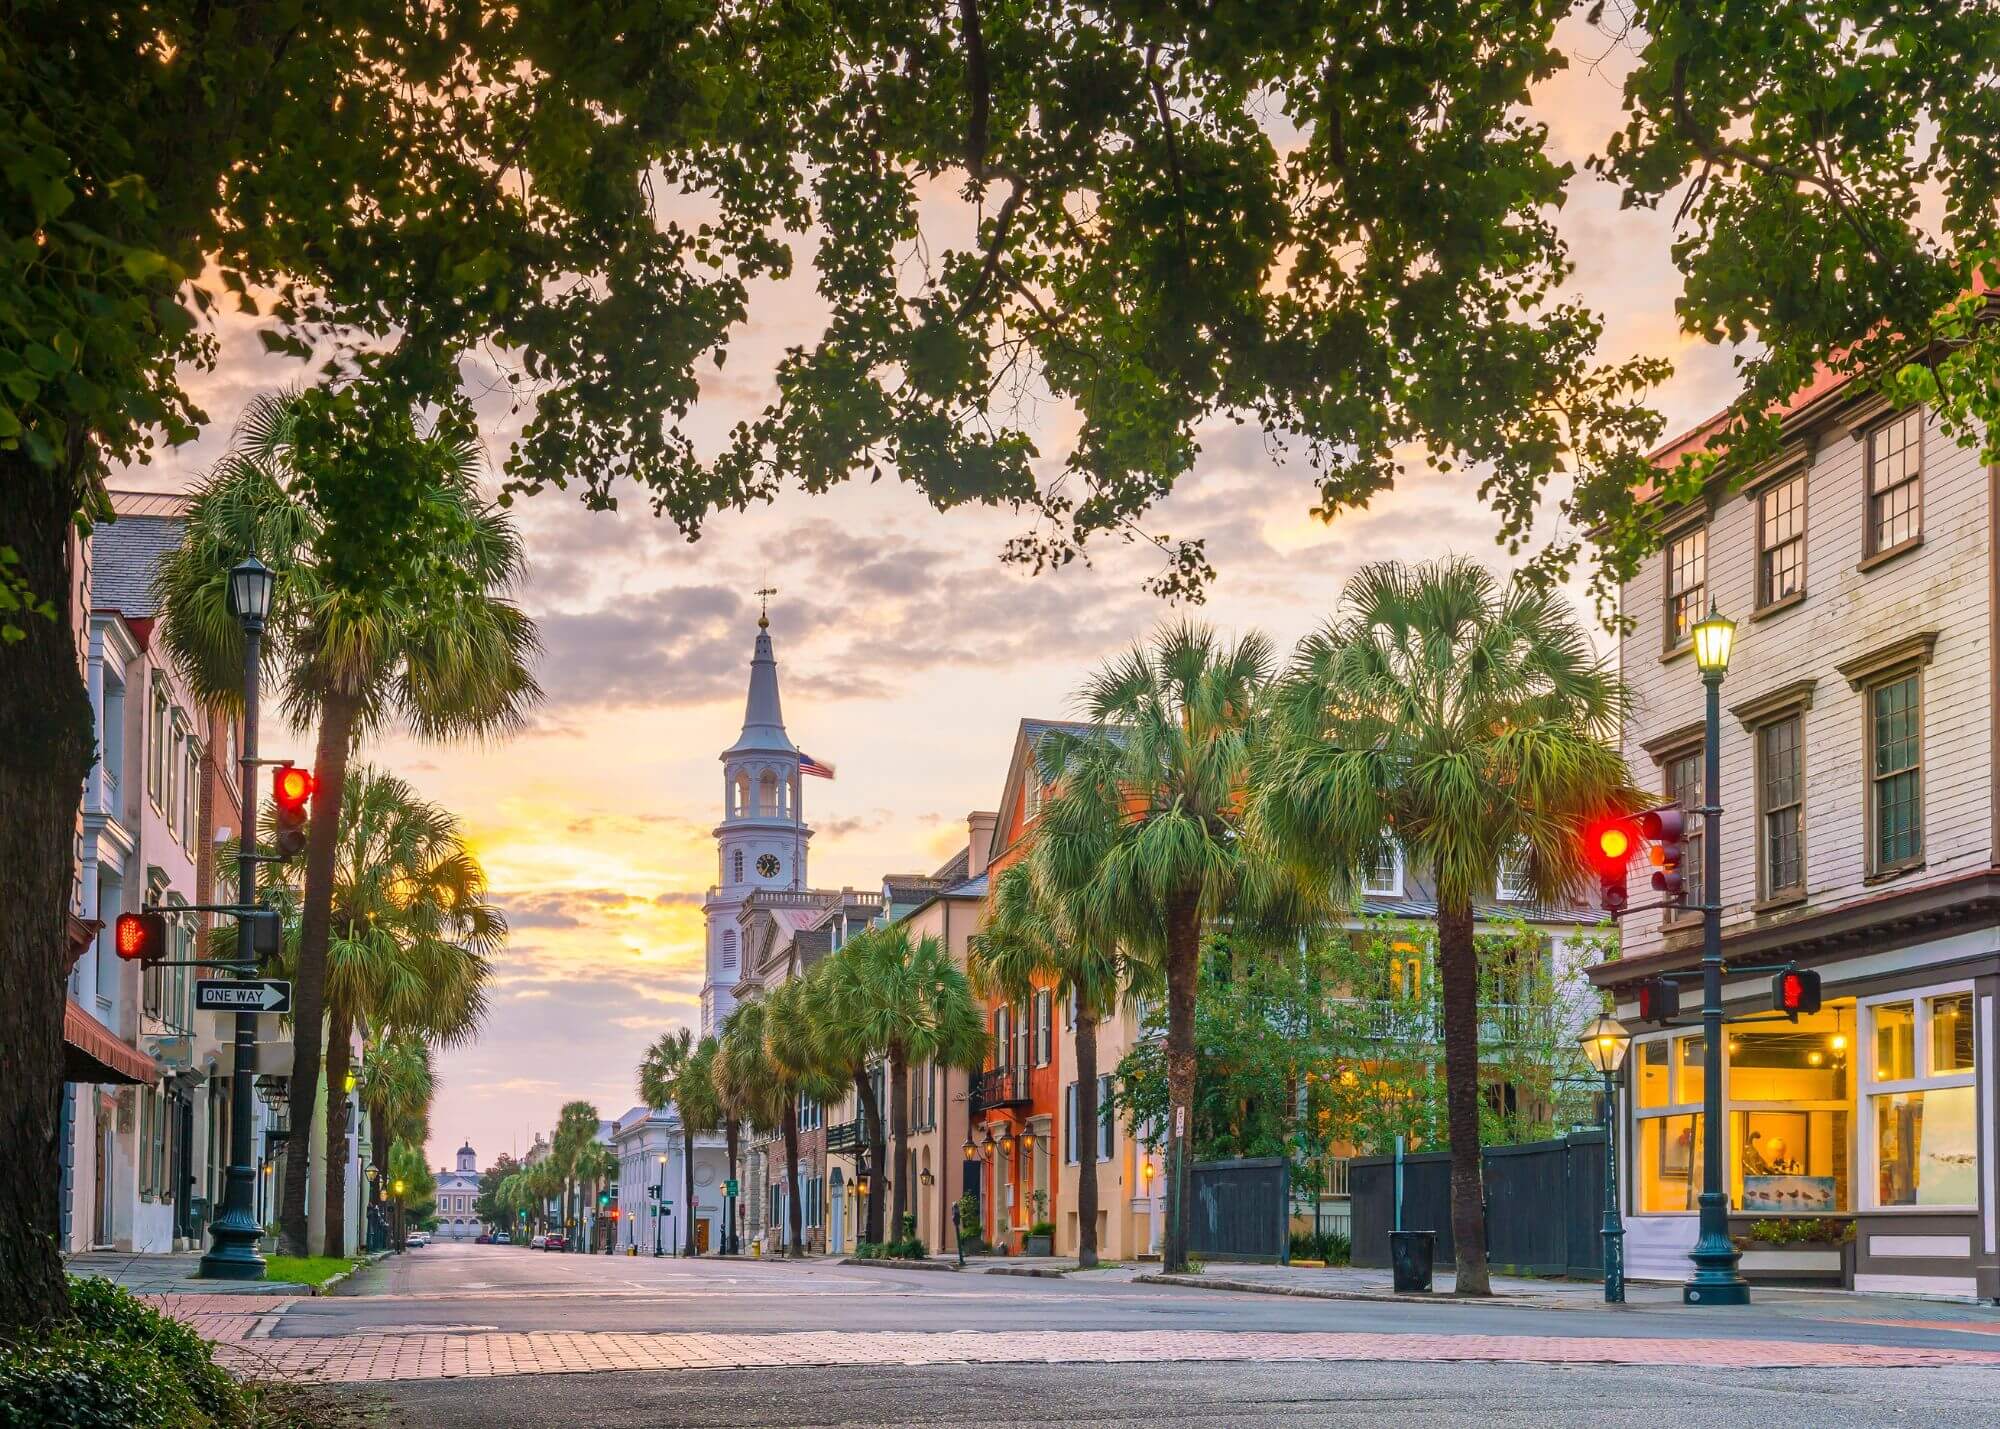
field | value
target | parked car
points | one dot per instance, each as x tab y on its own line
503	1239
540	1242
555	1242
482	1239
415	1240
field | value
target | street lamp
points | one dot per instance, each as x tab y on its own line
660	1205
1716	1281
1605	1043
232	1252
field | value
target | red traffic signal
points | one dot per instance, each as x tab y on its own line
291	790
1666	828
1608	845
140	937
1659	999
1795	991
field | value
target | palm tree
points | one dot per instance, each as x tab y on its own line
666	1075
745	1086
1144	828
798	1070
576	1133
597	1167
915	1006
1028	939
1471	725
847	1047
700	1106
432	640
398	1079
412	936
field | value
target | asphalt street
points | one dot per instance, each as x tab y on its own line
487	1288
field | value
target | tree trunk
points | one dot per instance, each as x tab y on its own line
1087	1115
794	1212
340	1026
1459	956
878	1152
899	1127
731	1135
337	715
1183	970
687	1167
45	753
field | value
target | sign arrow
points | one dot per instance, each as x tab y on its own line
244	995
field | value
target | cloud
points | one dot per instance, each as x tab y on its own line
567	908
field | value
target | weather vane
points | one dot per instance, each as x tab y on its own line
764	606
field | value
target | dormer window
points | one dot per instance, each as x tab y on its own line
1385	878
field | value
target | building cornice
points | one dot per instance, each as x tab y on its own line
1913	649
1762	709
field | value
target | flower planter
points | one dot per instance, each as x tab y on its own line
1040	1245
1830	1262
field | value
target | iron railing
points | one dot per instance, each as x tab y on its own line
1000	1087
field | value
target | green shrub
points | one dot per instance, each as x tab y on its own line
93	1383
1047	1228
908	1248
1329	1246
968	1218
101	1309
1798	1230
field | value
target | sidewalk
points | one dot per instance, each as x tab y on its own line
1354	1283
175	1274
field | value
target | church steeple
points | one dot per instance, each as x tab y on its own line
763	712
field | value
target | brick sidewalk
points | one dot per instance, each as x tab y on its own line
241	1327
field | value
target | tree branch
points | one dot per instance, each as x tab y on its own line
980	90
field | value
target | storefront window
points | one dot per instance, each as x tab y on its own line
1670	1162
1791	1108
1924	1122
1895	1041
1689	1083
1653	1074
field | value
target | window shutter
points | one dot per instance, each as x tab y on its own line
1107	1122
1069	1125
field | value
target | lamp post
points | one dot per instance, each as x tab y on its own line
1605	1042
397	1189
1715	1281
232	1252
971	1152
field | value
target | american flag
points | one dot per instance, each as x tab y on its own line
810	765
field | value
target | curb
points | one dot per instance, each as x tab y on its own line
325	1287
1040	1272
1381	1297
885	1262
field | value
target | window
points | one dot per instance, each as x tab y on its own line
1683	787
1922	1114
1044	1018
1687	585
1000	1043
1514	884
1385	878
1024	1046
1069	1125
736	866
1895	783
1406	970
1107	1120
729	947
1791	1109
1031	793
1781	806
1667	1125
1781	541
1895	482
156	743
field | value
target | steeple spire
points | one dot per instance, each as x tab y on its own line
763	714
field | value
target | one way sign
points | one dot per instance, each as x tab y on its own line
268	994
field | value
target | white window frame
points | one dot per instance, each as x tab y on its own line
1867	1088
1394	888
1519	858
1672	1108
1069	1125
1045	1049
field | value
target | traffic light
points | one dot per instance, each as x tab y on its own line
291	791
1608	846
603	1199
1795	990
267	933
1666	829
1659	999
141	937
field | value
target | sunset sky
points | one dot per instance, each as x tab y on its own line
906	653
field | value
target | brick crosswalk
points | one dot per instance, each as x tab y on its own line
242	1330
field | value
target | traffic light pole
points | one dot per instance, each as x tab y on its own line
1715	1281
232	1253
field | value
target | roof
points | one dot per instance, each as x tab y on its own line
763	713
910	887
955	868
124	554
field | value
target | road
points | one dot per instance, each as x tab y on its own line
497	1335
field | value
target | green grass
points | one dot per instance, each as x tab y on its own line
305	1269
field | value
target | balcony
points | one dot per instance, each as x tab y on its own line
1500	1023
1000	1087
847	1136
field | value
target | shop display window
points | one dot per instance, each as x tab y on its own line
1791	1104
1923	1120
1652	1074
1670	1162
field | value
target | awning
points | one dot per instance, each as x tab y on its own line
91	1053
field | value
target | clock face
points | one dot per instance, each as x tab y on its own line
767	864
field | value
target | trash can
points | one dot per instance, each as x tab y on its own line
1410	1255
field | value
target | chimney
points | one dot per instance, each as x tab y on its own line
979	841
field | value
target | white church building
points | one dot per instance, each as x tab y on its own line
762	840
457	1195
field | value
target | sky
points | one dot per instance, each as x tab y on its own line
907	654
